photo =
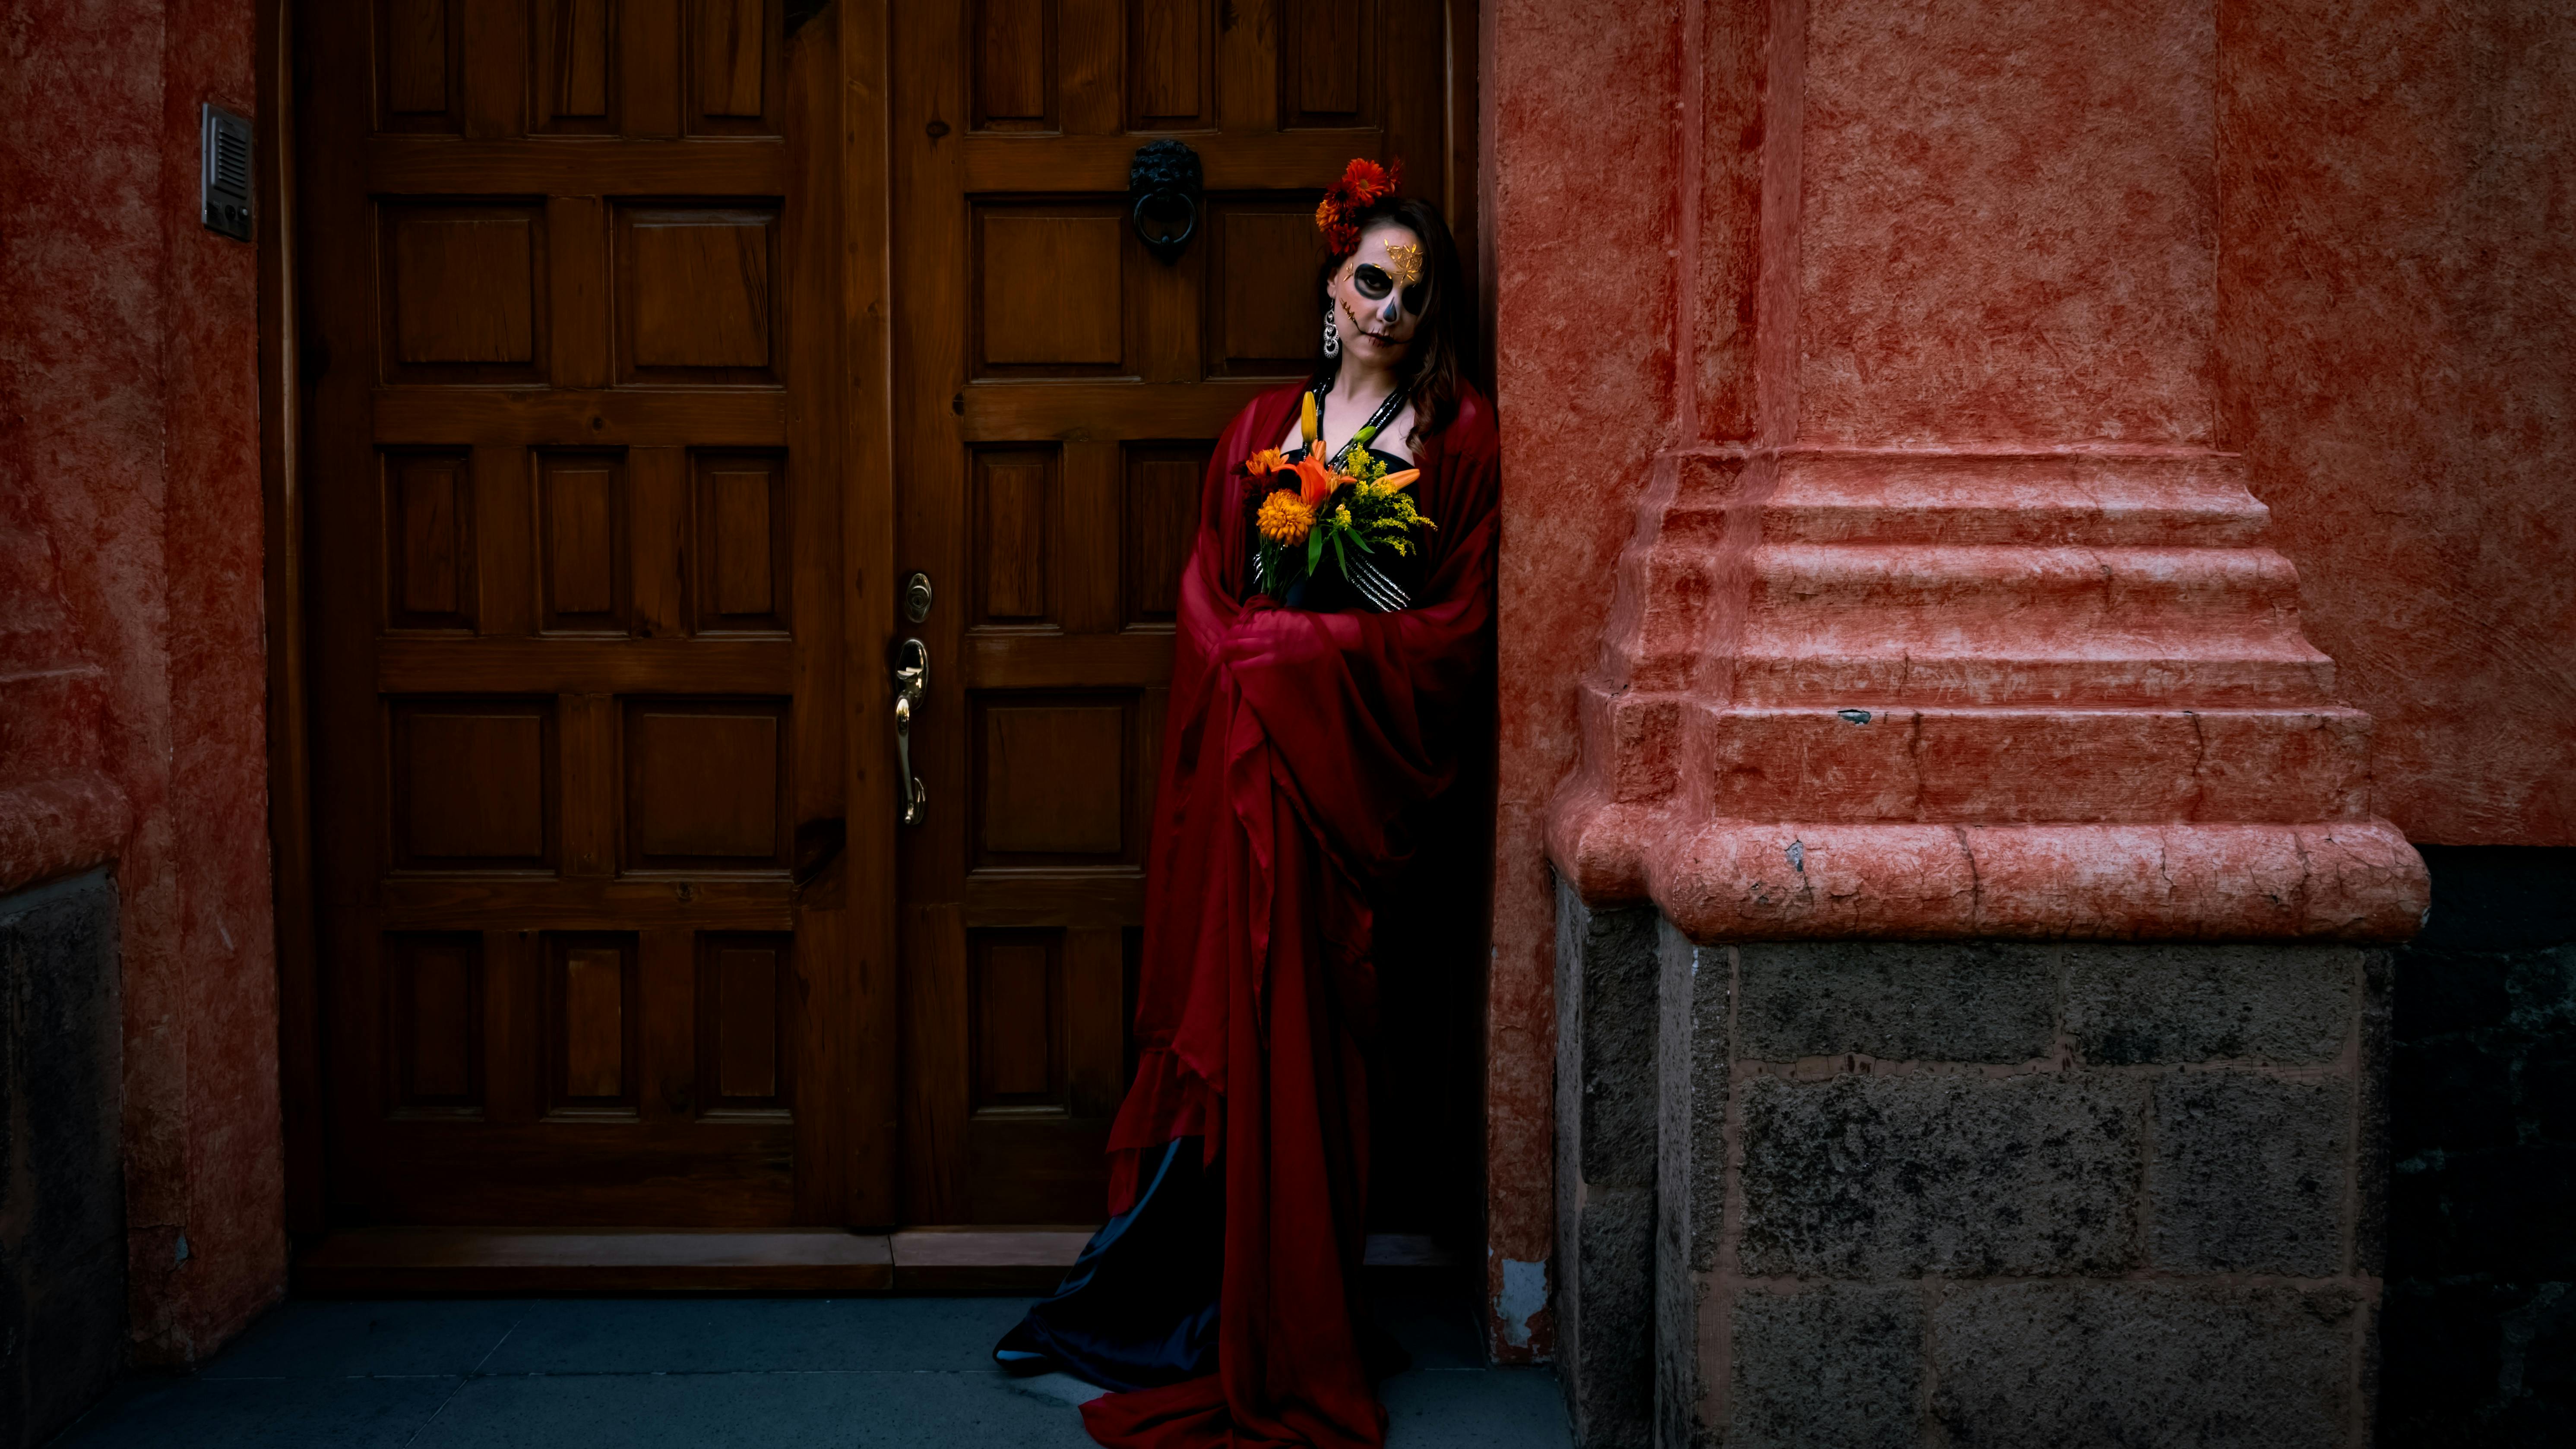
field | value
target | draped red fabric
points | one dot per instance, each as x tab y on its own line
1296	745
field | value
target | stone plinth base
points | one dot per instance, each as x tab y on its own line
62	1177
1841	1193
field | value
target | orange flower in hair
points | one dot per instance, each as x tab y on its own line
1363	184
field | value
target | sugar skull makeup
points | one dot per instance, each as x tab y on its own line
1404	262
1384	284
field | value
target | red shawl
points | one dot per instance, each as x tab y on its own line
1295	746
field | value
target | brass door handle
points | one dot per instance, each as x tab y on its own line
911	683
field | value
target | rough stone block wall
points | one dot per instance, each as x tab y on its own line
1983	1193
2479	1328
62	1180
1605	1171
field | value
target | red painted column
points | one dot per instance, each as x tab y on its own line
1975	634
1880	339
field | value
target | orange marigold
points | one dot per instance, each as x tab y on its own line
1285	518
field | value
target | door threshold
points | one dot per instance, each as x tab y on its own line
678	1260
1030	1260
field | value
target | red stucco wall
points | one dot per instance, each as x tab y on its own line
2398	304
1581	168
131	659
2332	237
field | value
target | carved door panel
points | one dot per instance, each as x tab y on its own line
581	749
1057	392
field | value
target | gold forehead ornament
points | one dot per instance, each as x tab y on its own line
1404	263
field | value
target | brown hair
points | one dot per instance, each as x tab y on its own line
1434	370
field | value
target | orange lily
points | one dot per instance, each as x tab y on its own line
1315	481
1394	481
1265	463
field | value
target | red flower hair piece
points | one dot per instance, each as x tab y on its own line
1363	183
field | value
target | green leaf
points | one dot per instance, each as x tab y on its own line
1314	547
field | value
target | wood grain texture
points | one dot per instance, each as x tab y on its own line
1158	526
1295	161
648	73
589	726
735	67
1136	658
706	784
639	166
1084	897
1014	54
1257	327
429	515
511	904
582	550
697	295
438	998
1050	294
1014	527
1052	776
745	991
574	70
731	58
559	703
744	544
1247	68
561	666
1081	412
461	287
474	782
416	58
858	1035
1169	65
577	265
1017	995
494	67
591	1024
1090	67
662	418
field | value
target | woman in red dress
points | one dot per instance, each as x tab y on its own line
1306	734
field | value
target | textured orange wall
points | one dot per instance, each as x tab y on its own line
2004	231
1580	163
2398	335
131	654
2332	237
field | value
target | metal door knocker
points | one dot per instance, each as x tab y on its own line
1164	184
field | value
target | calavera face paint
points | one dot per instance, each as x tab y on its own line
1381	290
1404	262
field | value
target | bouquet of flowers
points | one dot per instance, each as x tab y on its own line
1348	511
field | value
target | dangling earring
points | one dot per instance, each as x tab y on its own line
1332	335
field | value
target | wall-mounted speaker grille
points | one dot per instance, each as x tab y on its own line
224	174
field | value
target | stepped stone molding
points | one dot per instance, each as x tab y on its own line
1972	692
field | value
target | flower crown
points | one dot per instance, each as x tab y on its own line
1364	183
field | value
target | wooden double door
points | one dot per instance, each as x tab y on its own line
650	347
